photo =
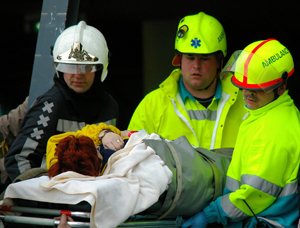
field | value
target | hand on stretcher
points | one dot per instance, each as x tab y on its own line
64	221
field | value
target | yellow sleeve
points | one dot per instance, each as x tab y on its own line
94	130
51	145
91	131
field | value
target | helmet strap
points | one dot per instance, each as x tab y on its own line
281	87
276	95
217	74
221	65
209	83
57	73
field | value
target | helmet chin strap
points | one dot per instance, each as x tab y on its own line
57	73
218	72
209	84
276	95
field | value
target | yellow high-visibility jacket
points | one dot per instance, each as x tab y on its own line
263	170
162	111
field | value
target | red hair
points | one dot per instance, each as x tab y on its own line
76	154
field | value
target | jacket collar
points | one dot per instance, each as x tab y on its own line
170	85
283	98
184	93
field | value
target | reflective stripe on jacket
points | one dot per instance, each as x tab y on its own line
162	111
56	111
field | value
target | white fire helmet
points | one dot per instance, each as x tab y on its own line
81	49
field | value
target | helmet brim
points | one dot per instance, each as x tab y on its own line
77	68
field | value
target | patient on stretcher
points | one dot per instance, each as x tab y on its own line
129	179
77	154
134	177
68	148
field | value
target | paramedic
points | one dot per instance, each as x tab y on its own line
205	109
77	98
262	176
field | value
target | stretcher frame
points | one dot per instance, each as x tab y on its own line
143	221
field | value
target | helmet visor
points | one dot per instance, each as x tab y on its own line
251	72
77	69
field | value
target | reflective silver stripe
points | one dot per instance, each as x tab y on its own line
261	184
202	115
271	222
221	105
232	184
111	122
43	120
257	183
108	122
289	189
68	125
232	210
182	117
37	133
28	148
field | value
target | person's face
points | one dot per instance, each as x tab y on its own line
198	71
257	99
80	83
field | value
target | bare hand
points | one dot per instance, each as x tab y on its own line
124	133
63	221
112	141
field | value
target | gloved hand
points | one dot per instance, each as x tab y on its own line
197	221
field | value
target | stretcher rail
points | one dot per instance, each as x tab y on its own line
52	222
142	221
44	211
39	221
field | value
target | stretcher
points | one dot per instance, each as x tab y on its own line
42	216
198	177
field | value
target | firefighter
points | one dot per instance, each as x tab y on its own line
261	184
81	58
193	101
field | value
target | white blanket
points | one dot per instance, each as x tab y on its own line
133	181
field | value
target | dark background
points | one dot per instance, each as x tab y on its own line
122	22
